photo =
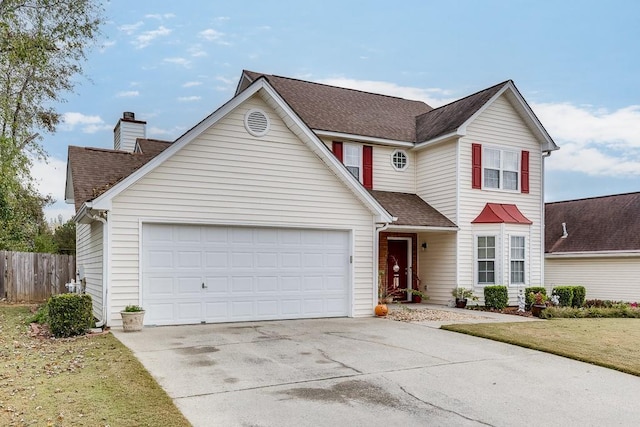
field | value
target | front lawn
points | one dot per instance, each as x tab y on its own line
83	381
612	343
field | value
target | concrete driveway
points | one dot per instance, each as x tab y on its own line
362	372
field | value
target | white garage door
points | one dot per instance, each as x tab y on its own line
193	274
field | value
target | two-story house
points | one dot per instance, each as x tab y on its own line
296	200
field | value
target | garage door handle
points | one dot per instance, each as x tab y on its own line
204	286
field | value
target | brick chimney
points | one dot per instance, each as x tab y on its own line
127	131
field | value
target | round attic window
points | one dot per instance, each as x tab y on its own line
256	122
399	160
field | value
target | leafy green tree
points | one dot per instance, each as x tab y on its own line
64	238
43	44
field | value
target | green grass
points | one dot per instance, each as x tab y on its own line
82	381
612	343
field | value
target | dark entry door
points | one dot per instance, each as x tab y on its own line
397	250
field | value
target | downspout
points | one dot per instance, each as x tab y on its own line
376	255
545	154
105	248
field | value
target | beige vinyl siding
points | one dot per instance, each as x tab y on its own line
499	126
437	266
227	176
437	177
385	176
89	253
612	278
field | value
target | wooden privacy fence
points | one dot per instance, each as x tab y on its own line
34	277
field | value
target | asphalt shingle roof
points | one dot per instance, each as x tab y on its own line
410	209
608	223
95	170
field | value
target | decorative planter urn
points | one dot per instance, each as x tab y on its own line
132	320
461	303
537	309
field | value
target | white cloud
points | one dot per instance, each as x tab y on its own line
213	36
127	94
143	40
189	98
222	18
191	84
160	133
89	124
197	51
130	28
160	16
434	97
50	177
178	61
106	45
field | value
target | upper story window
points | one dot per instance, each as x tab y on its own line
501	169
352	159
399	160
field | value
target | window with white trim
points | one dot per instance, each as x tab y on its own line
399	160
352	159
486	259
501	169
517	260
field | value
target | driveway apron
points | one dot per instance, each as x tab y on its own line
362	372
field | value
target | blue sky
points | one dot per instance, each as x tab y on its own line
173	63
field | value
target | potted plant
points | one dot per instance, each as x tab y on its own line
462	295
539	303
132	318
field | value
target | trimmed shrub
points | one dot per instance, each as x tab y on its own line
496	297
603	303
528	295
618	311
41	316
565	295
70	314
579	295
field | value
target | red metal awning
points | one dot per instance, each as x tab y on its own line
495	213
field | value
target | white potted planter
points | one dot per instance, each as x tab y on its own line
132	318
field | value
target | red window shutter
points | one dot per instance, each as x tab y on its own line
476	166
524	172
337	150
367	166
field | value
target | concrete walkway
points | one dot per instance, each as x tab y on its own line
362	372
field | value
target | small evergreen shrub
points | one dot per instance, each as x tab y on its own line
70	314
529	293
618	311
579	295
496	297
565	295
603	303
41	316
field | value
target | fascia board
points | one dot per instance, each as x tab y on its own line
103	201
321	150
362	138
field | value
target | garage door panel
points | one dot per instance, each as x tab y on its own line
249	273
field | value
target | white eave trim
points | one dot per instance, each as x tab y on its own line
419	228
103	202
593	254
438	140
360	138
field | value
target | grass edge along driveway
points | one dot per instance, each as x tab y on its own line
611	343
81	381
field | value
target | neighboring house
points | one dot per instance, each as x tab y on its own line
294	199
595	243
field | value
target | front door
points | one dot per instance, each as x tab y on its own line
398	277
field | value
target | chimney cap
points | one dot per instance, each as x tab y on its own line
129	115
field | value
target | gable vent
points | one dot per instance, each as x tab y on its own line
256	122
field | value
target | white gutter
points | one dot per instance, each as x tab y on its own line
352	137
419	228
443	138
593	254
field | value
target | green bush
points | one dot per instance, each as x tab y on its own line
496	297
565	295
70	314
579	296
604	303
619	311
41	316
528	295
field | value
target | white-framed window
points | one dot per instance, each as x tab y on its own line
399	160
517	260
486	259
352	159
501	169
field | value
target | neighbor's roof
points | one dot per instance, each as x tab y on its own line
448	118
608	223
410	209
335	109
95	170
